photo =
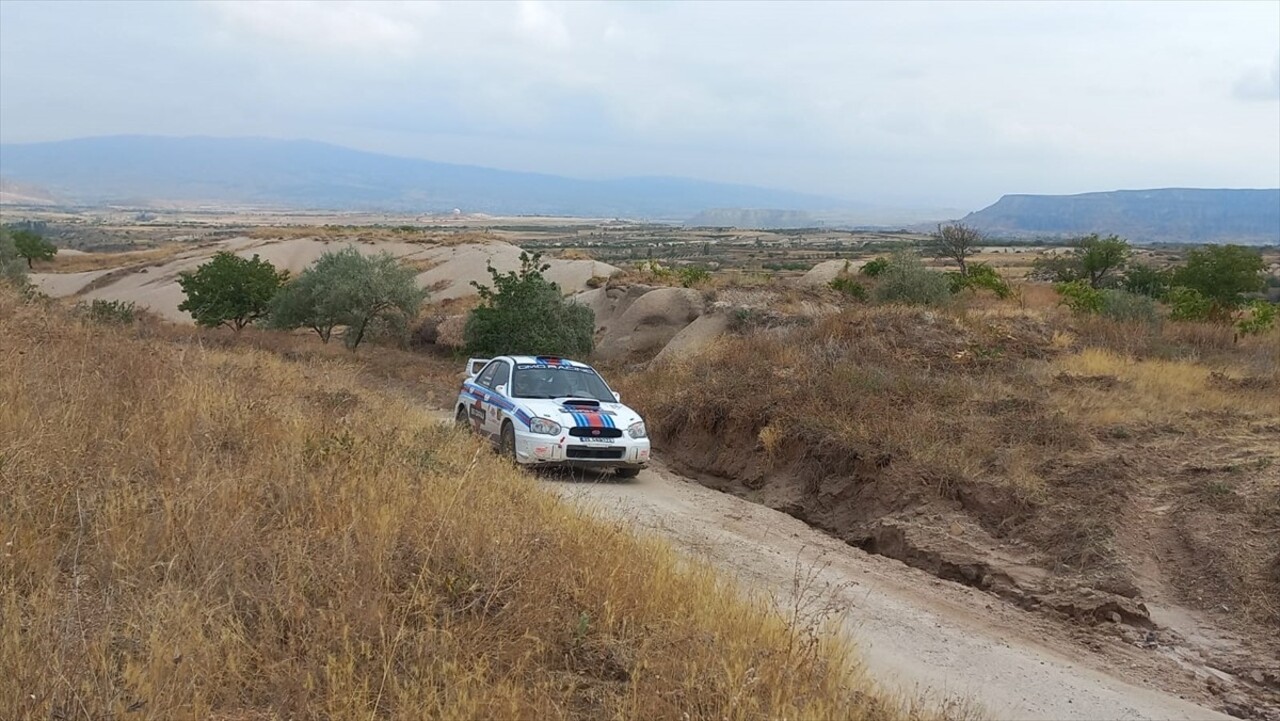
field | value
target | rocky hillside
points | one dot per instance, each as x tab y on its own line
1174	215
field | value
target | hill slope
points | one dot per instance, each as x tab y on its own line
305	174
1145	216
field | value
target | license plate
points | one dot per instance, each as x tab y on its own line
590	439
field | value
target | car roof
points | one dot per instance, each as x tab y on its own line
546	360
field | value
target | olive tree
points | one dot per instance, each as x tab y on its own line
347	288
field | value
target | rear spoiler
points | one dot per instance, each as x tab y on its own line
475	365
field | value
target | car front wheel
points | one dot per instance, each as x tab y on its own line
462	419
626	472
507	444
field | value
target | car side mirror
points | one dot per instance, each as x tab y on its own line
617	396
500	389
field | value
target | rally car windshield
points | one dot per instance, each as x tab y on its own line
542	381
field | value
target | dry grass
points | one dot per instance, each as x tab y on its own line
372	234
197	532
104	261
1160	391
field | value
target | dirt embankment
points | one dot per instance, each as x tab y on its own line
1139	499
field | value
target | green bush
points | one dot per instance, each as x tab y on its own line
230	290
691	275
848	286
909	282
1080	297
370	295
109	312
980	275
1128	307
13	269
1261	318
875	267
1148	281
1188	304
524	313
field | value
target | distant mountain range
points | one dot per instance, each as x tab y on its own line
148	170
1172	215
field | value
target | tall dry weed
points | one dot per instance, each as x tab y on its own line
203	533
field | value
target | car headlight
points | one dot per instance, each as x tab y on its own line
637	430
544	426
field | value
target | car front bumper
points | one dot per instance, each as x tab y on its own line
541	450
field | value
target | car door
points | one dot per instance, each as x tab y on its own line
479	408
499	387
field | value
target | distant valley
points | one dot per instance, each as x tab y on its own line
199	172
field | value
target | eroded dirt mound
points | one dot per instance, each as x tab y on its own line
638	328
447	270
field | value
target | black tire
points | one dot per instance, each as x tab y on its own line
626	472
507	442
463	419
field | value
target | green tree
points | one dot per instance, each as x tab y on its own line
33	247
230	290
12	267
956	242
347	288
1222	274
1093	259
523	312
1100	257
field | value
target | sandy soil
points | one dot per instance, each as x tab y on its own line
916	632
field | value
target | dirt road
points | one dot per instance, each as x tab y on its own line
914	631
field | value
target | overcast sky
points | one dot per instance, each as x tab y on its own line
917	104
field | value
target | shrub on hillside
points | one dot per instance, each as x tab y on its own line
230	290
1188	304
691	275
980	276
909	282
875	267
1080	297
1258	318
13	269
1128	307
110	312
523	312
848	286
1146	280
370	295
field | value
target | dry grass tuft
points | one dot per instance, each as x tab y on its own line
198	532
104	261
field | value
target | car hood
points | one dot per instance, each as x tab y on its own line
555	409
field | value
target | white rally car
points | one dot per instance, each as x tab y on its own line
545	411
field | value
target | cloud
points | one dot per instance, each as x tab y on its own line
1259	83
331	26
